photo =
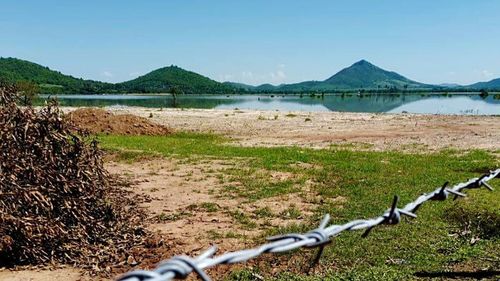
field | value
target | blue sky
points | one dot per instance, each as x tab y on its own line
256	41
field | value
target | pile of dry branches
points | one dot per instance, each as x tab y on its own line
56	201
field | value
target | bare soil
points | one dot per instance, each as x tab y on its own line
42	275
101	121
322	129
189	205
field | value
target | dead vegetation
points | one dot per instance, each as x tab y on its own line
57	202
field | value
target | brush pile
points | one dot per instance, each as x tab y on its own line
56	201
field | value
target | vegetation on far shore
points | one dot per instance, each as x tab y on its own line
450	236
359	77
168	79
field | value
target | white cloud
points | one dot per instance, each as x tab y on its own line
107	74
226	77
247	75
277	76
487	74
281	74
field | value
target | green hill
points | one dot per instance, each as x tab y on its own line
306	86
168	78
361	75
490	85
364	75
266	87
160	80
240	86
50	81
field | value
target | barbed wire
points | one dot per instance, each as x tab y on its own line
181	266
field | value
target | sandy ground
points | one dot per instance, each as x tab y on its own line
321	129
41	275
181	192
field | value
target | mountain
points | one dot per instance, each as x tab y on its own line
450	85
50	81
173	77
160	80
490	85
364	75
241	86
306	86
360	75
266	87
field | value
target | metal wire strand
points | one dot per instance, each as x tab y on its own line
181	267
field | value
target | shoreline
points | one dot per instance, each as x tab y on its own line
347	93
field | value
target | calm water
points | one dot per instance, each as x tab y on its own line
430	104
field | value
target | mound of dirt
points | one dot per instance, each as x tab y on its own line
56	201
98	121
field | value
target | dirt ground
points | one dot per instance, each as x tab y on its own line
187	197
41	275
96	121
322	129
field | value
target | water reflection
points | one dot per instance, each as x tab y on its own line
395	103
456	105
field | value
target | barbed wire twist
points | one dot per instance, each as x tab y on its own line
182	266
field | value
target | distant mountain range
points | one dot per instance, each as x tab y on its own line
450	85
362	75
492	84
163	80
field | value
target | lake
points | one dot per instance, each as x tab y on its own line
471	104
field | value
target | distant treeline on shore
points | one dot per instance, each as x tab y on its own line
361	77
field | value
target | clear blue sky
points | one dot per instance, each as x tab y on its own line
257	41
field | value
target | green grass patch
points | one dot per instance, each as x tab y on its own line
208	207
163	217
243	219
367	180
256	184
292	212
264	212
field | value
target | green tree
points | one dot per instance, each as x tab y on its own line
27	91
175	90
483	94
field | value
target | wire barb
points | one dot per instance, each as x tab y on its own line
181	267
485	184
